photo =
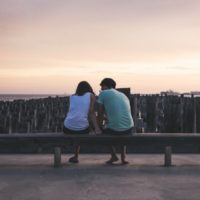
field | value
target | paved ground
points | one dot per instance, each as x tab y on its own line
32	177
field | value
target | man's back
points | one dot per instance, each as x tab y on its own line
117	108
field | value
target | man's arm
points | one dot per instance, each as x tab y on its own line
93	116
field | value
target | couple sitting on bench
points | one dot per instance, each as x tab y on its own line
113	118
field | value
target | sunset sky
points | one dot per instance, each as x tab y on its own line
48	46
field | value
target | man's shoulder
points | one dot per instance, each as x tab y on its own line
105	95
109	91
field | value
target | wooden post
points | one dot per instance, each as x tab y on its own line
19	116
28	127
5	119
57	157
10	124
194	114
156	113
135	110
48	118
181	112
35	119
168	156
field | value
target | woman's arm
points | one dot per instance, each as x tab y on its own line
92	115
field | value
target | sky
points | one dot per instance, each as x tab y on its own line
49	46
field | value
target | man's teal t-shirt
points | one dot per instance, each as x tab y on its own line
117	108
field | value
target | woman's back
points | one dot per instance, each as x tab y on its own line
77	117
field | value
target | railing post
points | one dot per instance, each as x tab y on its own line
168	156
57	157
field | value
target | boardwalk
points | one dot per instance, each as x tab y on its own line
32	177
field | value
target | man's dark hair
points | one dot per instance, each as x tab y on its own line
108	82
83	87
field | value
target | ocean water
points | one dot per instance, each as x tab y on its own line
12	97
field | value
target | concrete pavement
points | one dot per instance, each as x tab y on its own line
32	177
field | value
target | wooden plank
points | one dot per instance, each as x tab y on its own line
59	140
57	157
62	139
168	156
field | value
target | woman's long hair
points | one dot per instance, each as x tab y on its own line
83	87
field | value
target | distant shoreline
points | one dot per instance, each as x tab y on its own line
12	97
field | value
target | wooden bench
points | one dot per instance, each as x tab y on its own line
57	141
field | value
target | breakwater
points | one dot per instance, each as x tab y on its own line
151	113
35	115
169	114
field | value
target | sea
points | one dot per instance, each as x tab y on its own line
12	97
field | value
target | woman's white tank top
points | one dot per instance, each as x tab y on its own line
77	117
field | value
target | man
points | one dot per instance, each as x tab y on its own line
114	109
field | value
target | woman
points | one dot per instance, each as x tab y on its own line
81	111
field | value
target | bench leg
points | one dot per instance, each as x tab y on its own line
168	156
57	157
